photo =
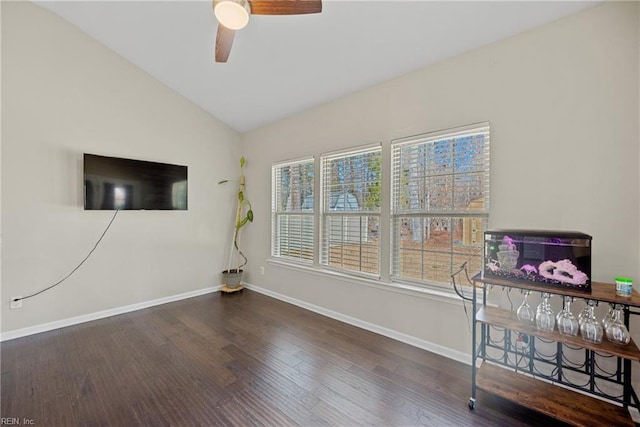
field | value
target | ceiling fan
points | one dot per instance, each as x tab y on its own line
233	15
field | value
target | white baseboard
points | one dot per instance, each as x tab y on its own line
17	333
398	336
390	333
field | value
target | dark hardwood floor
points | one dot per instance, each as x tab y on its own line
243	359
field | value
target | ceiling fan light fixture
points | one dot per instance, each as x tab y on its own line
233	14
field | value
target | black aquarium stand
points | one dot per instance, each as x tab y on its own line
572	380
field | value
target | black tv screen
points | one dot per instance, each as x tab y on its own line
112	183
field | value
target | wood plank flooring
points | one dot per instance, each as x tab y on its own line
237	360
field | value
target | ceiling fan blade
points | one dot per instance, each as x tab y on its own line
285	7
224	41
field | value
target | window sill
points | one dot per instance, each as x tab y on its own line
443	294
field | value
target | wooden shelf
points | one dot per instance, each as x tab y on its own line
508	319
558	402
599	291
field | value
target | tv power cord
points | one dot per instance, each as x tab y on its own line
74	270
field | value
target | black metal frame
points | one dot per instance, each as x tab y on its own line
500	340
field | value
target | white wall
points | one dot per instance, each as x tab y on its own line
63	94
562	100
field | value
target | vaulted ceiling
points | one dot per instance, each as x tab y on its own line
281	65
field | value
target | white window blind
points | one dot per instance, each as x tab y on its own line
292	206
439	203
350	222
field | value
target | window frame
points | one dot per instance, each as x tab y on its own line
387	272
277	214
346	216
453	214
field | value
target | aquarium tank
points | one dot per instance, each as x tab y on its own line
554	258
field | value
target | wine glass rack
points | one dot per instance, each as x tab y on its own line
566	377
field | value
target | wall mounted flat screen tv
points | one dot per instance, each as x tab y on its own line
112	183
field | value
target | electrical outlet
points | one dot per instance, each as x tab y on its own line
262	269
16	304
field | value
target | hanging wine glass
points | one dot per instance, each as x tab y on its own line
591	330
616	331
525	313
608	318
584	314
545	318
561	312
567	322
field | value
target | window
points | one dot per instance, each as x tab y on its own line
350	188
440	203
292	213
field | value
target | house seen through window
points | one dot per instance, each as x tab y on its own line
351	185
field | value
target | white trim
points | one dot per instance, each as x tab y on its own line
398	336
472	129
352	151
293	161
44	327
390	333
